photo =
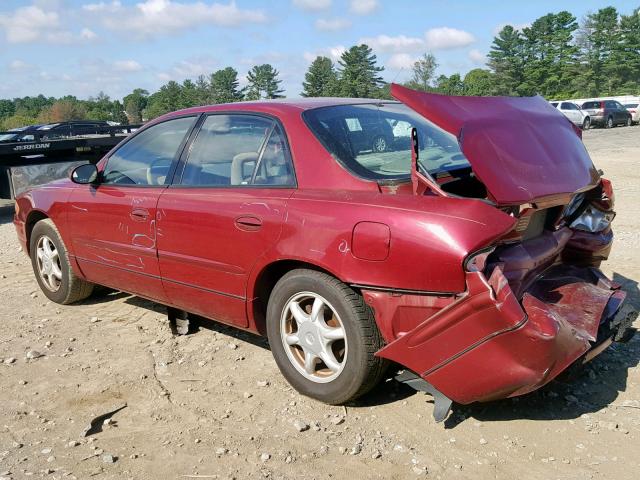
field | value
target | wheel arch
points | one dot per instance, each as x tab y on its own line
263	282
34	217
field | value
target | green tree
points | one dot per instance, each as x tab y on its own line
321	80
549	55
359	73
506	60
263	82
224	86
7	108
165	100
628	54
597	39
450	85
135	103
423	70
188	95
203	90
479	82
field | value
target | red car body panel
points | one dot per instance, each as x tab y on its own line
473	336
522	149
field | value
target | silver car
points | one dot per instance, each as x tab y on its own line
574	113
634	110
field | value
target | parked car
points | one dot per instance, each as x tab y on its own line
52	131
574	113
634	110
470	258
607	113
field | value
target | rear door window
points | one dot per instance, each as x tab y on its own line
238	150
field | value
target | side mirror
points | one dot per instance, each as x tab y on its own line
84	174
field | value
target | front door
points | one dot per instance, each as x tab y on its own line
113	223
225	210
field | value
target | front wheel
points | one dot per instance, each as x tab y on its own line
51	266
323	337
610	122
586	123
629	122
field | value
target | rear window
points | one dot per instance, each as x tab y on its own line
374	140
590	105
631	105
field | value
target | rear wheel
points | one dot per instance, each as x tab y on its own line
628	123
51	266
586	123
610	122
323	337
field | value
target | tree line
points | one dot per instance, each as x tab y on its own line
557	56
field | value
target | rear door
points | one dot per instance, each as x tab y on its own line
113	223
224	210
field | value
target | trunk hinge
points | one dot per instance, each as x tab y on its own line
420	182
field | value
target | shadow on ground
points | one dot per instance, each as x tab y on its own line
6	212
588	389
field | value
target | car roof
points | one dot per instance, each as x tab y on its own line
286	105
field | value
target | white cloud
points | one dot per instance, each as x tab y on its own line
87	34
334	53
399	61
332	24
189	68
312	5
477	57
19	66
401	43
39	23
156	17
126	66
446	38
28	24
364	7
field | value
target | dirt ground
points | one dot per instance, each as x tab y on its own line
213	404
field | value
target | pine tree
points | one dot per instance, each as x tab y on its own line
505	59
321	80
263	82
598	37
359	73
225	87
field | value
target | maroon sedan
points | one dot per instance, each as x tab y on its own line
466	249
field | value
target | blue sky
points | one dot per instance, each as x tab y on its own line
81	47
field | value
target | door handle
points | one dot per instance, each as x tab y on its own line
139	214
248	223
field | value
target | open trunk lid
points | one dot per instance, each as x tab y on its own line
522	149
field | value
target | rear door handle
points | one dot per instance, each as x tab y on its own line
140	214
248	223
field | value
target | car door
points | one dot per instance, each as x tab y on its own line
113	223
224	210
622	113
570	111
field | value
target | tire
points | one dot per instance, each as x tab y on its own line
609	123
379	144
51	266
628	122
586	123
358	369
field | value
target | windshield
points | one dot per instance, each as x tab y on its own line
374	140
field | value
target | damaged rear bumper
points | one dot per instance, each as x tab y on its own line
489	345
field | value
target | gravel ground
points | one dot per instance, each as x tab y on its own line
213	404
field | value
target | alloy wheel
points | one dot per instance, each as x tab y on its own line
49	267
313	336
379	144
